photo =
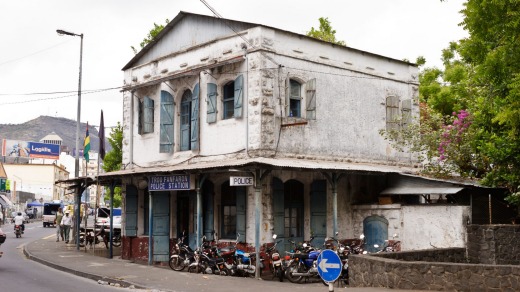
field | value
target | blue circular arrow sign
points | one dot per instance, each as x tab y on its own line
329	265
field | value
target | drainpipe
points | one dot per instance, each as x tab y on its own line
150	229
131	127
200	181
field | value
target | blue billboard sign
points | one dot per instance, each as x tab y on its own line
14	148
169	182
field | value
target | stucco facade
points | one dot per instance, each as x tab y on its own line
211	99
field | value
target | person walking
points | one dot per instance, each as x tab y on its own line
66	222
57	223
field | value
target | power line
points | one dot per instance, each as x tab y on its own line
58	97
32	54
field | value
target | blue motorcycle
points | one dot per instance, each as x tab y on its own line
303	264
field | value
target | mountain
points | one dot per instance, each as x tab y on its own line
37	129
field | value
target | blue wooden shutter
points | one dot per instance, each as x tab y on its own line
167	116
195	118
406	112
392	113
208	212
241	212
131	211
212	103
310	88
239	85
278	212
319	210
140	118
148	115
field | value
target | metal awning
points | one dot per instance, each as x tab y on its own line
409	185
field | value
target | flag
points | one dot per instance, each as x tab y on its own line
86	145
102	137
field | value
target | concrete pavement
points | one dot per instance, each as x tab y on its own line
84	263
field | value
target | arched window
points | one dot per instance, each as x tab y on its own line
185	121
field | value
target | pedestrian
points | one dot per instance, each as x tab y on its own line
66	221
57	223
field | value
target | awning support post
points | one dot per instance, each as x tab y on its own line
259	177
199	183
333	179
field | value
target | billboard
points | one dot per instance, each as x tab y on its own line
14	148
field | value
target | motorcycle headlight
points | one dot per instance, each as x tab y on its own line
341	249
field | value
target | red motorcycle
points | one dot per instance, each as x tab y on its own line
18	231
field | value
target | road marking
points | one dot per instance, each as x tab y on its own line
324	265
71	256
47	237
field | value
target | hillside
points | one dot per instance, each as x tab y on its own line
42	126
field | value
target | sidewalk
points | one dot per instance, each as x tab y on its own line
66	258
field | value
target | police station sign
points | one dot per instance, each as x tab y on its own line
241	181
173	182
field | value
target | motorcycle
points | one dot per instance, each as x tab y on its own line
244	262
88	237
206	261
18	231
303	264
182	255
277	266
343	252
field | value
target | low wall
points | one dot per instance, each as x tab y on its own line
494	244
407	270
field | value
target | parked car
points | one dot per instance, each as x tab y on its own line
103	218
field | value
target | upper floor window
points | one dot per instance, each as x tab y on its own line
185	121
301	99
167	116
295	99
232	95
398	113
146	115
228	100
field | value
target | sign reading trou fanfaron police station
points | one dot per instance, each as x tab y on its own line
172	182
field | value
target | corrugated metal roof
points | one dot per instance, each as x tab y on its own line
418	190
274	162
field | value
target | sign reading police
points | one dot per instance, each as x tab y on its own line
169	182
241	180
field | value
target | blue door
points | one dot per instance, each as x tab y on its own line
278	214
293	210
319	211
161	226
375	229
208	210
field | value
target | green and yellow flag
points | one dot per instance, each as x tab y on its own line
86	145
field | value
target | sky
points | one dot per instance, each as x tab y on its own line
39	69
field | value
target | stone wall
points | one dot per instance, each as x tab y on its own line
381	270
494	244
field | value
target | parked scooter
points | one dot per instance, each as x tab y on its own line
277	265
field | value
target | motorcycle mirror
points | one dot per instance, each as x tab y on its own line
395	235
337	233
274	236
361	236
376	245
305	245
365	252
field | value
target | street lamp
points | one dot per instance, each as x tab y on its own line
78	122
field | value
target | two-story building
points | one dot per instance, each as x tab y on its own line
242	129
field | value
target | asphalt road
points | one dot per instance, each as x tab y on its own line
18	274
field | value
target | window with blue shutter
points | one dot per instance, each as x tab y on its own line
167	116
239	85
131	211
228	101
295	98
195	118
185	121
406	112
212	103
148	118
310	95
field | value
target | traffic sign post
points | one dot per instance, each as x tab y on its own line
329	267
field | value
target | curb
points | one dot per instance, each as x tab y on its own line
125	284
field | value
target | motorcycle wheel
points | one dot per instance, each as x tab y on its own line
279	273
195	269
116	240
82	239
293	268
177	263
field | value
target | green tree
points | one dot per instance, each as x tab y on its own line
157	28
114	159
325	32
470	109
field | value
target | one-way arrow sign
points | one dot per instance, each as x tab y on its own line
329	265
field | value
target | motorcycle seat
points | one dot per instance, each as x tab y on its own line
303	255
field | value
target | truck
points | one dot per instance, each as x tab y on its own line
49	213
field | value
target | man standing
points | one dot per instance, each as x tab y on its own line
65	223
57	223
